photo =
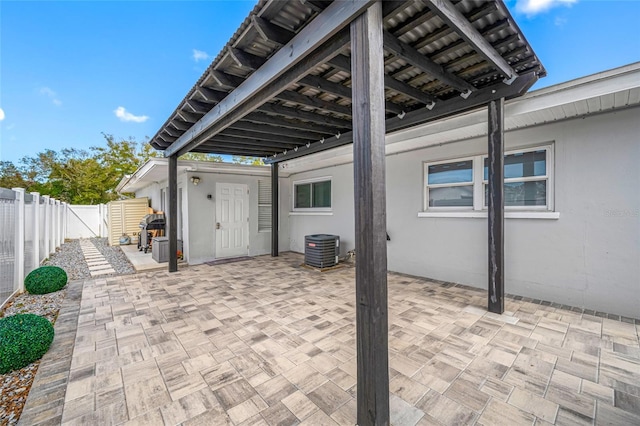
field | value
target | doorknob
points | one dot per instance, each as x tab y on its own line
217	225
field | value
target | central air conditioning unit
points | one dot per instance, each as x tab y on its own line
321	250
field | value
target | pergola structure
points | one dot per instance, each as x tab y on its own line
303	76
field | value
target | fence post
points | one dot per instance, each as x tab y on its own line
65	216
36	229
18	275
47	226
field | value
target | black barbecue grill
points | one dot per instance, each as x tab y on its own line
148	223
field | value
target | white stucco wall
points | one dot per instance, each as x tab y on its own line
589	257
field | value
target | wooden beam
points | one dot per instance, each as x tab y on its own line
326	86
266	136
370	218
180	125
173	213
305	115
271	32
417	59
260	117
197	106
495	205
453	18
277	130
167	138
171	131
316	43
410	91
189	117
225	80
245	59
313	102
446	108
275	201
211	95
241	142
212	148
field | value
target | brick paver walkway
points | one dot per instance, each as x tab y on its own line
267	342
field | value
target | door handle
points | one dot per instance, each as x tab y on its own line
217	225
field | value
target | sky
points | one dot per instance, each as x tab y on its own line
73	70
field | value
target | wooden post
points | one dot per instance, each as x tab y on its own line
275	198
370	217
496	205
173	213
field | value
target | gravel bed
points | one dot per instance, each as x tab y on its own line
114	256
15	386
70	258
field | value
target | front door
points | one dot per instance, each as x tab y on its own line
232	220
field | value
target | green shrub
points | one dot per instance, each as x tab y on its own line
24	338
45	279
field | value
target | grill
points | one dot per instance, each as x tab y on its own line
321	250
148	223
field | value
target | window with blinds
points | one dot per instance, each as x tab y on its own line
264	205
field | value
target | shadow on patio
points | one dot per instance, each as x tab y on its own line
265	341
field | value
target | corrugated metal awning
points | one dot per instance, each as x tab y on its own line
441	58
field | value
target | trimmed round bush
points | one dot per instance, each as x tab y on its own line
45	279
24	338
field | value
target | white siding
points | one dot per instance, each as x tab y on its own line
589	257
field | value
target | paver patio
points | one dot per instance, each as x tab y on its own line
266	341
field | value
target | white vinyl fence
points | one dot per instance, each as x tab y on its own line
87	221
31	228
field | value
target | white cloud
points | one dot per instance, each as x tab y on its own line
46	91
124	115
1	114
199	55
533	7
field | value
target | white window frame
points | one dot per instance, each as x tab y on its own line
479	210
426	185
548	177
311	209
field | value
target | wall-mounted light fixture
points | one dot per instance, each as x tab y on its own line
195	180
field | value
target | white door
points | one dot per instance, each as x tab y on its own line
232	220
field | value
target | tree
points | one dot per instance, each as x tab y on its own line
11	176
199	156
241	159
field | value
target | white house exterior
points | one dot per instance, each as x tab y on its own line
572	229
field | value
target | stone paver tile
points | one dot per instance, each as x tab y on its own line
278	414
80	388
145	395
153	417
538	406
566	381
346	414
199	363
582	404
275	389
597	391
341	378
79	407
403	413
466	393
608	415
323	363
305	378
498	413
568	417
246	410
627	402
404	365
216	416
445	410
234	393
407	389
189	407
220	375
301	406
319	418
329	397
115	413
497	389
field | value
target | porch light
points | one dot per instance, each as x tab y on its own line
195	180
